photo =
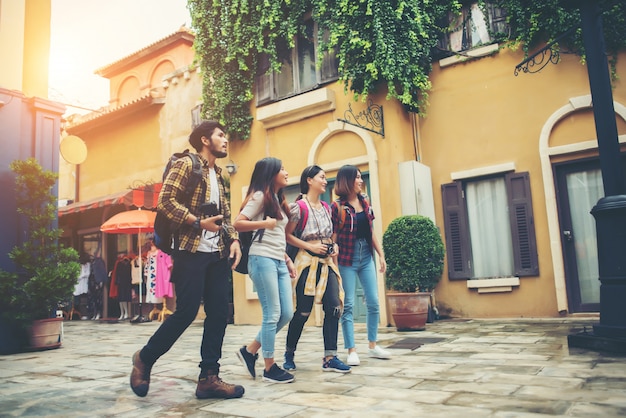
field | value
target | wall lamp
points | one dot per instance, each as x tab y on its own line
231	167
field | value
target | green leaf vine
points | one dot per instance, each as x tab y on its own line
377	43
533	22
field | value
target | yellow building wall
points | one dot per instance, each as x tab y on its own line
481	115
133	150
146	75
293	142
128	145
25	44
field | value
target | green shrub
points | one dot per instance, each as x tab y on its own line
45	272
414	253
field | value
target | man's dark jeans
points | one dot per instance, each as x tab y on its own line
196	276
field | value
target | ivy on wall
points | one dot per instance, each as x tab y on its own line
377	43
534	22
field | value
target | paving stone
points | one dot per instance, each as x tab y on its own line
464	368
510	404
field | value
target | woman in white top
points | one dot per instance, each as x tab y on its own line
265	210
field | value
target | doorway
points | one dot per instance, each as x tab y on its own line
579	186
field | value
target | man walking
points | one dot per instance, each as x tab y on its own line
201	266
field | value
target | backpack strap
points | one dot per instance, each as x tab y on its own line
304	217
342	214
195	177
326	206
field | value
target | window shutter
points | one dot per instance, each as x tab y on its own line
263	80
457	232
497	20
330	68
522	224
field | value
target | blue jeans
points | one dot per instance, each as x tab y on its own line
362	267
273	286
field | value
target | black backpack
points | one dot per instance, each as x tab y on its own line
165	231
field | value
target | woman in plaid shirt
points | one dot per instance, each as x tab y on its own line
355	236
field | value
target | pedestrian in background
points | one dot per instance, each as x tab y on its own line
353	231
265	211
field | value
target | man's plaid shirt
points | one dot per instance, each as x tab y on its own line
346	237
172	192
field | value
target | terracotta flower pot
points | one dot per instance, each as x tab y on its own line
46	334
409	310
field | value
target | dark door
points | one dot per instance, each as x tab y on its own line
579	187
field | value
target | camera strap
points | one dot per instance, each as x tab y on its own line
319	230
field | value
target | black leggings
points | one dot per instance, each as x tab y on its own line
304	304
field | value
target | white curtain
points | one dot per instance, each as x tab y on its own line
584	190
307	66
284	79
490	230
480	31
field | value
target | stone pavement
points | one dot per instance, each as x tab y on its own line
463	368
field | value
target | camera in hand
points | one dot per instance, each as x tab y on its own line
210	209
330	249
330	246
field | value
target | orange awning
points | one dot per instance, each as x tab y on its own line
144	197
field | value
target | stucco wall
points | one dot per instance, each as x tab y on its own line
481	115
320	138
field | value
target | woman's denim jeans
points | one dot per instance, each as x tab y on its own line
273	285
362	267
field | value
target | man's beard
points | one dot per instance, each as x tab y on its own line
216	153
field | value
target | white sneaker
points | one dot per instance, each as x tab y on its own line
378	352
353	359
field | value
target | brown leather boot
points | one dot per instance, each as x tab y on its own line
211	386
140	376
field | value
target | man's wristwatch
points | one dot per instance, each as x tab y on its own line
196	223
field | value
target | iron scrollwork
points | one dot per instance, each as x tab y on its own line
550	53
536	62
370	119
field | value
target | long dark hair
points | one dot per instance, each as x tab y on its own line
344	183
308	173
262	180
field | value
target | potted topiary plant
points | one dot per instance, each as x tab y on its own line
45	273
414	253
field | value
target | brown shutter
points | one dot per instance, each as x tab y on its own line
458	248
522	224
263	80
329	69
